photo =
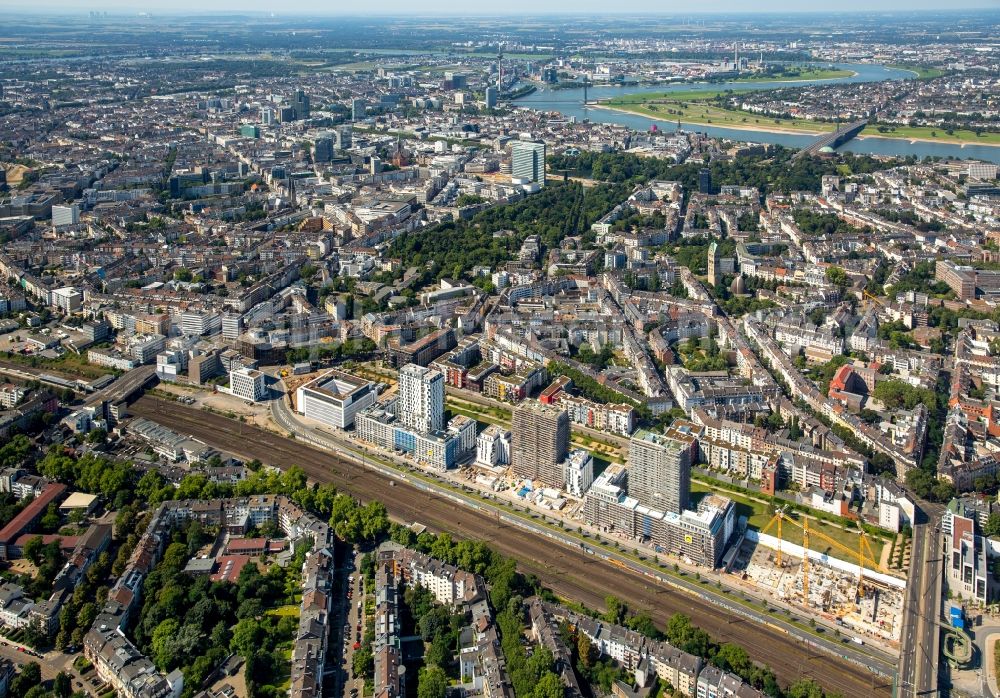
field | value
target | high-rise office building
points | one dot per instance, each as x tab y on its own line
705	181
343	136
528	161
458	80
540	443
267	116
65	215
358	109
421	397
301	105
323	149
491	97
659	469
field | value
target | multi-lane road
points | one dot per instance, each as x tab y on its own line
564	567
918	662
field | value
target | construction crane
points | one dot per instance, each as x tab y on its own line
779	515
872	298
862	556
805	561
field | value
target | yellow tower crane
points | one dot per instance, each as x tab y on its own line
805	561
862	556
779	515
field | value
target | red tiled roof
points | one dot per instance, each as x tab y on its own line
34	509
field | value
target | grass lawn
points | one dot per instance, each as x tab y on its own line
70	363
932	133
288	610
801	74
675	96
759	514
922	72
496	415
693	107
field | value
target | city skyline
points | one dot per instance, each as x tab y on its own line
529	7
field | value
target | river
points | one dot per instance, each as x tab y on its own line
570	103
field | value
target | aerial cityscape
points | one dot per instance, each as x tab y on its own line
523	352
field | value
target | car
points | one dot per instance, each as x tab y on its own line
357	646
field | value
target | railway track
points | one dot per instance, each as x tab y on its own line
569	572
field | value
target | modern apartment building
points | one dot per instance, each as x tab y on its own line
540	443
421	395
659	469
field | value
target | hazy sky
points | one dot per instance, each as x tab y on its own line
466	7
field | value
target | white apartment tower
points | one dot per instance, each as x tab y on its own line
421	398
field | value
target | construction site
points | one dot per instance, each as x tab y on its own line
824	578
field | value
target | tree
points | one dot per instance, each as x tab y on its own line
585	650
363	662
247	636
97	436
615	609
163	639
29	676
992	527
62	685
732	658
432	682
440	651
837	276
51	520
643	624
548	686
804	688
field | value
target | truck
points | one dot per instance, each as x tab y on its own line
857	641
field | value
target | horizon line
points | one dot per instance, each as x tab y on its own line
123	12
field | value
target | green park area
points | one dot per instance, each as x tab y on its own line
921	72
695	107
933	133
794	74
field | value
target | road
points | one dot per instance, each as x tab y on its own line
355	620
51	663
918	666
124	386
559	564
